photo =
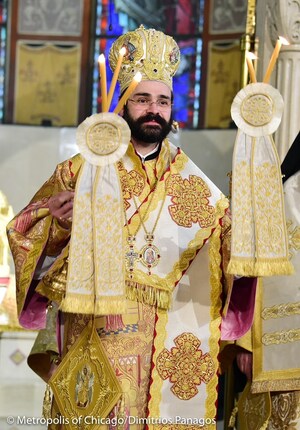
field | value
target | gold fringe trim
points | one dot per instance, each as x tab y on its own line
148	295
83	304
260	267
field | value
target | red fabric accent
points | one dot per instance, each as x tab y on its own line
152	367
114	323
24	220
70	167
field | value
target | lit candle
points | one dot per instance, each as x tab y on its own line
280	41
249	57
102	70
136	79
122	52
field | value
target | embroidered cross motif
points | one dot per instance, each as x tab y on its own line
185	366
190	201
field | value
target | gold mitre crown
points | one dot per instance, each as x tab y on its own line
152	53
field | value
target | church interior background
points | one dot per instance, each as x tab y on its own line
49	83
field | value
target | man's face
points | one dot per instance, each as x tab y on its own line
148	112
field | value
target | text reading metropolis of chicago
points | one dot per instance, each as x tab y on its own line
112	421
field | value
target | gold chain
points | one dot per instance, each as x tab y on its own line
149	255
142	219
146	212
138	212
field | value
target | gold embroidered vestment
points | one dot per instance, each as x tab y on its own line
174	314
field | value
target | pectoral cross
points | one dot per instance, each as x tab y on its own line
131	256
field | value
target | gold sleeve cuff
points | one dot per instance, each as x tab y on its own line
58	237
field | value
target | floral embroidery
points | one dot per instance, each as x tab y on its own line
294	237
190	201
285	411
185	366
131	182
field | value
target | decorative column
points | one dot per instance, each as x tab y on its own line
283	19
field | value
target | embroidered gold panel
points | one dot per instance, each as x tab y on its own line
47	80
223	84
277	315
128	347
84	384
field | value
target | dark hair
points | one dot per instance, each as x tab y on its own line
291	162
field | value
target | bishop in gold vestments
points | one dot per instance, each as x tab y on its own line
167	235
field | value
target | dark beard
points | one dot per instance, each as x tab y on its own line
149	133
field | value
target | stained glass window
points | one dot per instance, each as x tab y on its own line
3	21
207	46
181	19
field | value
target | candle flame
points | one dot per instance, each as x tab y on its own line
283	40
251	56
123	51
101	58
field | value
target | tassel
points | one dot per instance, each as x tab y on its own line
47	402
148	294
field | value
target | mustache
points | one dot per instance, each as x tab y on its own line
151	117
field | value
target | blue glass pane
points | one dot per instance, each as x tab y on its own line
3	11
186	83
111	23
197	83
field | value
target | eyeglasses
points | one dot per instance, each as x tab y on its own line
144	103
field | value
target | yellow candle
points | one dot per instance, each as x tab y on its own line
103	85
280	41
249	57
112	87
137	78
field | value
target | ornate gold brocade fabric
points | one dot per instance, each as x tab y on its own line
285	411
129	350
201	231
275	335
